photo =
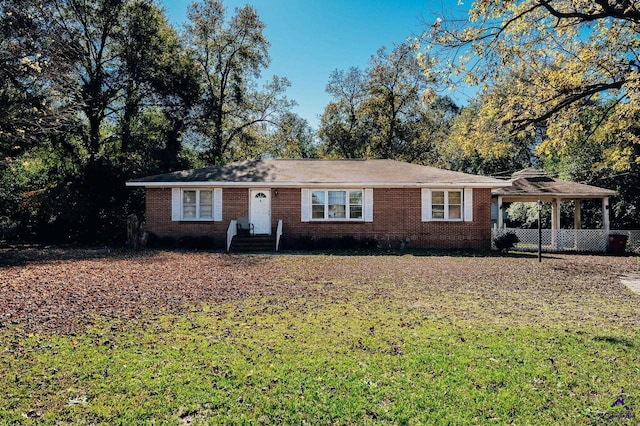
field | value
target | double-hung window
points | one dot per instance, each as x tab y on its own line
446	205
336	205
197	204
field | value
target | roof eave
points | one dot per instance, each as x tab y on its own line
552	195
489	185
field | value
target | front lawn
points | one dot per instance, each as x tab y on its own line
109	337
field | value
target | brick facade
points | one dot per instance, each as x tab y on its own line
396	218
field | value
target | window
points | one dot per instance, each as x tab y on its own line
206	204
446	205
336	205
317	204
197	204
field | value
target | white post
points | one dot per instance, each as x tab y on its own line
557	218
555	221
500	213
605	213
577	223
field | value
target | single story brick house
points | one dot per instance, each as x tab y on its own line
390	201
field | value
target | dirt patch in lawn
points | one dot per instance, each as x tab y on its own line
66	290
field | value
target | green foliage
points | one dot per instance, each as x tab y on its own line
385	112
105	85
584	159
100	92
36	62
292	137
229	57
525	215
479	143
343	128
544	63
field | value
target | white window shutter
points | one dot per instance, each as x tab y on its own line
368	205
426	204
468	205
176	204
305	202
217	204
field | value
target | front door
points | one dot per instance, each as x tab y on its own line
260	210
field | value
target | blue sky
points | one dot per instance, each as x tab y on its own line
311	38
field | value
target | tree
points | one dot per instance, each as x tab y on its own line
562	54
395	86
385	112
293	138
583	159
230	57
93	28
35	60
112	84
122	70
159	87
478	143
343	127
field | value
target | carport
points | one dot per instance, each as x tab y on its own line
533	185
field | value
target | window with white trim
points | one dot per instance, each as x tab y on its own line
446	205
336	204
197	204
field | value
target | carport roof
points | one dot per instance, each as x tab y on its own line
531	184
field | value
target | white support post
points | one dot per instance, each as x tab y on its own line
577	222
500	214
605	213
555	221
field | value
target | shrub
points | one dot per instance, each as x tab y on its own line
167	242
346	242
9	230
196	242
506	242
325	243
368	243
306	242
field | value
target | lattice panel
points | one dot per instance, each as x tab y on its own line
580	240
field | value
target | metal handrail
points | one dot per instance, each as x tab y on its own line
278	234
232	231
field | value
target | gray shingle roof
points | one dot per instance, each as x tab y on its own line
536	183
319	172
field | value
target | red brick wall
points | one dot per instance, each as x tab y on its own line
396	218
235	203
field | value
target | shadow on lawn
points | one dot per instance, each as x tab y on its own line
21	255
419	253
614	340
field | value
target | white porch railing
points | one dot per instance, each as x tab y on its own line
278	234
580	240
232	231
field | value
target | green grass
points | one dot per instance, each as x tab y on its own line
347	360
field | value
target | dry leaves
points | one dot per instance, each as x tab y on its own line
64	290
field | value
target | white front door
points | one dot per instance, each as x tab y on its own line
260	210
